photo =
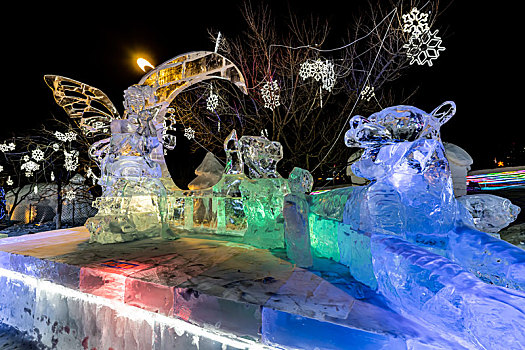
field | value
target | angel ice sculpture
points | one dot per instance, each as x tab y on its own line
134	175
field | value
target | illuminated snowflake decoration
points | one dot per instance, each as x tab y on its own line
270	95
212	101
189	133
68	136
424	48
415	23
319	70
7	147
1	168
71	160
29	167
37	155
56	147
52	176
70	195
368	93
9	181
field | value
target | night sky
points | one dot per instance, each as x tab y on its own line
96	44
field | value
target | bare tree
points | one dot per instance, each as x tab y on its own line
310	117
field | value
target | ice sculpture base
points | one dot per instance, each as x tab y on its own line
188	293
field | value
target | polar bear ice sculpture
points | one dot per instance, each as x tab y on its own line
411	188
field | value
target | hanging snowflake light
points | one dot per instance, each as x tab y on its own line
9	181
71	160
212	101
60	136
424	48
70	195
29	168
367	93
270	95
71	136
415	23
189	133
319	70
37	155
56	147
7	147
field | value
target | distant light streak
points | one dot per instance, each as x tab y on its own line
498	180
143	63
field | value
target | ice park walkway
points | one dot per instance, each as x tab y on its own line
188	293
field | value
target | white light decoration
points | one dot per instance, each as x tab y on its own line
189	133
1	168
71	160
68	136
367	93
30	167
212	101
9	181
52	176
56	147
415	23
37	155
70	195
35	190
319	70
26	158
270	94
424	48
7	147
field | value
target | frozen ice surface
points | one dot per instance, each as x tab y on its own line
490	213
436	292
209	172
261	156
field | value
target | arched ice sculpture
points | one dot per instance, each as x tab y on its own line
130	149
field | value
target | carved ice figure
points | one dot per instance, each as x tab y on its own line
300	181
234	162
411	188
489	213
132	140
261	156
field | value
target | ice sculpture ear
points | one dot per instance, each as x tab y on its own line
444	111
350	135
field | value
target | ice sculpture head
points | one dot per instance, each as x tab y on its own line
137	97
397	124
261	156
490	213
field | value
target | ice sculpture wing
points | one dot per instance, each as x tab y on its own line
81	101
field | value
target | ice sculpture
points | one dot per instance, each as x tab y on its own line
134	178
234	162
411	188
261	156
209	172
489	213
300	181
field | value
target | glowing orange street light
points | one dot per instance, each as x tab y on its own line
143	63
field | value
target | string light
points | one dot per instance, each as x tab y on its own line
424	48
498	180
368	93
